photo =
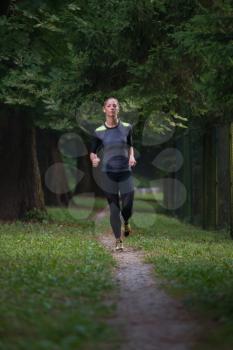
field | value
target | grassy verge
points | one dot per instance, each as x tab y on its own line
149	196
193	264
53	281
197	266
85	208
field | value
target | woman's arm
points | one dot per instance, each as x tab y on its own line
95	144
131	151
94	159
132	160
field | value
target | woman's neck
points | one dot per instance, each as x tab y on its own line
111	122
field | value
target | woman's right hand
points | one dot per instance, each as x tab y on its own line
95	161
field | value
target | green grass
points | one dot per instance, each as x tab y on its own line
149	196
196	266
193	265
54	279
85	207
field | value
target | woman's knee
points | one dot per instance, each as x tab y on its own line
114	208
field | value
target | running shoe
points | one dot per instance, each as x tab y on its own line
119	245
127	230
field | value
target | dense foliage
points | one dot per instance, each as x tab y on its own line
175	57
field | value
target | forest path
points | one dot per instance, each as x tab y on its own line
148	318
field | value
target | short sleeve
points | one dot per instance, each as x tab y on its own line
95	143
130	137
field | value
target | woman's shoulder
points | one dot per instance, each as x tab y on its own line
125	124
101	128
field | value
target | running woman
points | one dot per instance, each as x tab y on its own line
114	139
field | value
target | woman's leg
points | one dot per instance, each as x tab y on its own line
111	191
126	188
127	206
115	220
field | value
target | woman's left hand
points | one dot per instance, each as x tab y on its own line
132	161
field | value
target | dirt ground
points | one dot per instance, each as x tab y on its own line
148	317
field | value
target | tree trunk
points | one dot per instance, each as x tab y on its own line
4	7
20	189
48	156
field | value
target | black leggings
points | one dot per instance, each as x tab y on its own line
119	192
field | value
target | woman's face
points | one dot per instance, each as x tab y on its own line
111	107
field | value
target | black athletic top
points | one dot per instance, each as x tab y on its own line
113	145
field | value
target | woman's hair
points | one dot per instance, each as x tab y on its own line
109	98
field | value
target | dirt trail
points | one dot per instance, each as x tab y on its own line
150	319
